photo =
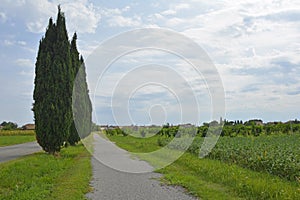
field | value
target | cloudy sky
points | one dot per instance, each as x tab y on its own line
254	45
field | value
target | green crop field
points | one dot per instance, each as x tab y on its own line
277	154
263	167
11	137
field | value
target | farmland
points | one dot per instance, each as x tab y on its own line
11	137
16	132
277	154
265	166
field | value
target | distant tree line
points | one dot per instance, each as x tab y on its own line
254	127
8	125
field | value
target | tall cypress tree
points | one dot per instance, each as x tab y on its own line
82	107
53	87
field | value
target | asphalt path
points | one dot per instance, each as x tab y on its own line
15	151
115	177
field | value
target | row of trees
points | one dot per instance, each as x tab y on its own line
8	125
60	88
253	127
232	129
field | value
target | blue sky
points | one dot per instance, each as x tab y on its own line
255	46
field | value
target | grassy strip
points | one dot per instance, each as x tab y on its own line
211	179
134	144
15	139
232	179
42	176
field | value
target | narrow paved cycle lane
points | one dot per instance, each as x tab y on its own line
111	184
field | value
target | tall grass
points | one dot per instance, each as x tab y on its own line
16	132
43	176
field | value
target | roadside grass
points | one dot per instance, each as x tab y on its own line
212	179
43	176
88	142
135	144
15	139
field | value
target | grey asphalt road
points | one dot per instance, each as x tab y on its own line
112	182
15	151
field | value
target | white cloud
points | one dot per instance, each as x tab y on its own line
121	21
168	12
10	42
29	74
175	8
116	17
22	43
181	6
3	17
24	62
87	48
254	44
244	39
81	15
110	12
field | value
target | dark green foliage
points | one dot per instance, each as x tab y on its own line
56	65
82	107
115	131
9	125
253	128
169	131
74	136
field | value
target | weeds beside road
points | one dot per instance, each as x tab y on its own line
43	176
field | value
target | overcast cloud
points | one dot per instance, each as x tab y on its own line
255	46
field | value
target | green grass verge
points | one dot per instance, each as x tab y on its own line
43	176
15	139
274	154
134	144
211	179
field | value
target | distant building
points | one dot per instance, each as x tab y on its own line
28	127
257	122
103	127
186	125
